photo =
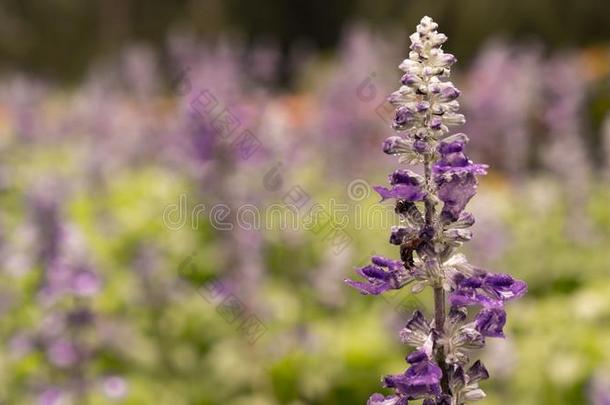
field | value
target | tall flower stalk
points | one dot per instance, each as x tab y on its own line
433	227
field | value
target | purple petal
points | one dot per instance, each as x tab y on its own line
457	377
477	372
368	288
378	280
466	297
402	176
378	399
404	116
456	194
418	323
449	93
409	79
465	220
401	192
385	262
471	282
416	357
420	146
375	272
456	146
435	123
394	145
504	286
490	322
421	379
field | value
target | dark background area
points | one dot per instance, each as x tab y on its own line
59	39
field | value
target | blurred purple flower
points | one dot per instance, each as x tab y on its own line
115	387
62	353
51	396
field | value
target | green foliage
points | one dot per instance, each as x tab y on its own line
176	347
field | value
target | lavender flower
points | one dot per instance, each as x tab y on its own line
500	120
434	225
115	387
420	380
51	396
350	124
406	185
67	336
567	154
384	274
598	392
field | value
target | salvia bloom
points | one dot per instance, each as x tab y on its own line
434	224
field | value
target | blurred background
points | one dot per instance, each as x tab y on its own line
149	150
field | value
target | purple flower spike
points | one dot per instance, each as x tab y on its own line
429	239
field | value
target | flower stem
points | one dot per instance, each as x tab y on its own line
439	321
429	206
439	293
